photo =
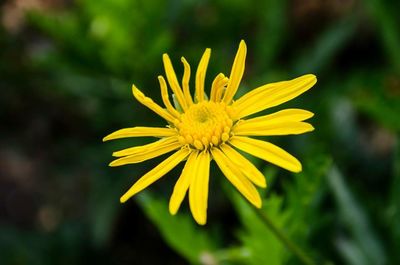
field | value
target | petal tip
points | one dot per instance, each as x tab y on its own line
298	169
173	210
312	77
113	164
166	59
263	184
201	221
135	90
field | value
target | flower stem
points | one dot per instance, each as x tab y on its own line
297	251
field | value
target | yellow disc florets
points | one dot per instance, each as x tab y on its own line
205	124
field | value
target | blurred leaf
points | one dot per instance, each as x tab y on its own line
61	247
374	95
109	36
104	207
327	45
384	14
363	238
394	207
261	244
351	252
296	215
304	196
272	31
180	232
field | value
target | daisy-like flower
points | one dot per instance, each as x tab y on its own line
201	129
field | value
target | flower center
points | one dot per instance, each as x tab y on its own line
205	124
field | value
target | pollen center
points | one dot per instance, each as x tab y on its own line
205	124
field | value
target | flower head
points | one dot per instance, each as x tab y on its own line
201	129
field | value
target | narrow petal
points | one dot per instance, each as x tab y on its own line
165	97
182	185
185	82
217	87
248	169
148	102
283	122
267	151
271	95
198	190
173	81
154	151
236	73
155	174
282	128
201	75
140	132
154	146
281	116
236	177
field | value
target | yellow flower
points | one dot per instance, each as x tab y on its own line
204	129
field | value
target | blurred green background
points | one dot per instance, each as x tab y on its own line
66	68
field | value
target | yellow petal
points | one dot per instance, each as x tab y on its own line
236	73
280	116
236	177
283	122
183	183
283	128
185	82
271	95
154	146
217	87
198	190
248	169
173	81
201	75
165	97
145	155
148	102
156	173
140	132
266	151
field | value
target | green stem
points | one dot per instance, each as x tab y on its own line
301	255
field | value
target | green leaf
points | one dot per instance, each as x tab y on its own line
262	245
362	236
304	195
180	231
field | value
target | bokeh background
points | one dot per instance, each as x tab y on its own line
66	69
